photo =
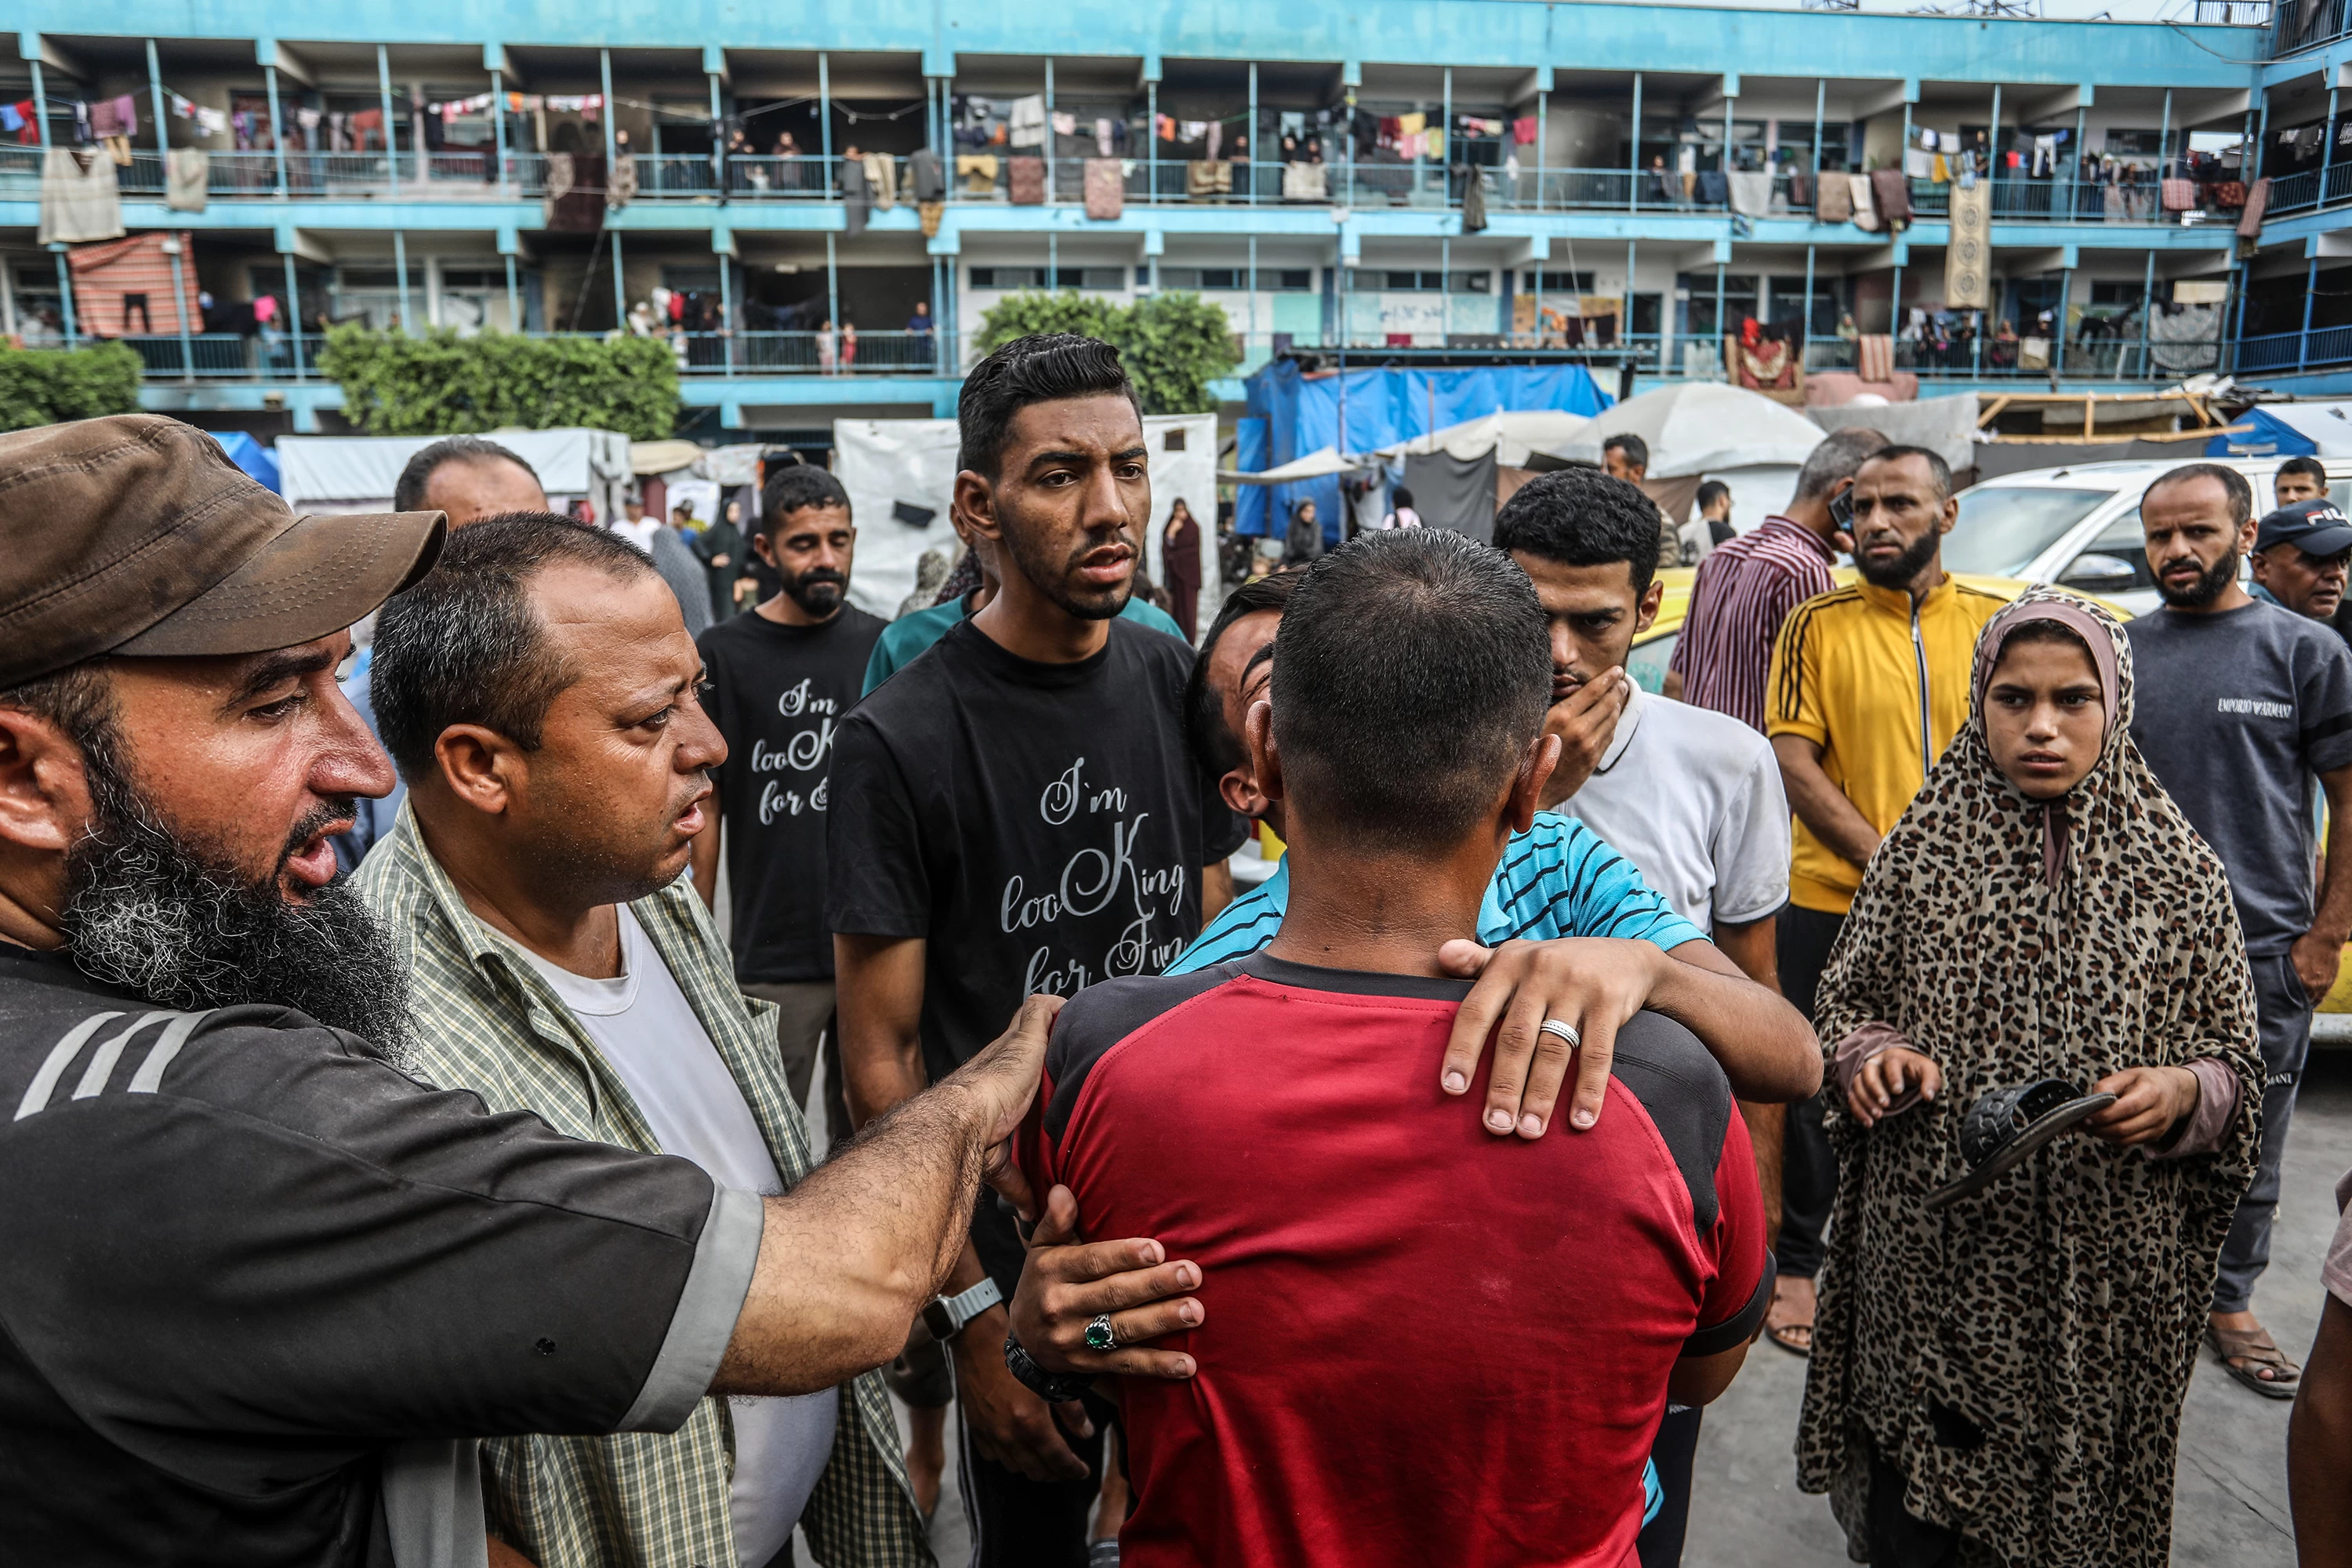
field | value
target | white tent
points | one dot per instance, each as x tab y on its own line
1701	427
357	473
896	470
1320	463
1510	435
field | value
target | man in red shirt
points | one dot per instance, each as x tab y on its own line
1409	1317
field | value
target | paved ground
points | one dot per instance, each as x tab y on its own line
2230	1511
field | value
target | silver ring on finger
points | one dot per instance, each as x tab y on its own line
1564	1029
1101	1336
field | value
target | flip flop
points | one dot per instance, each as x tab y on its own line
1778	1332
2255	1347
2006	1125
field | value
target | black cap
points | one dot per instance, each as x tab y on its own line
2315	527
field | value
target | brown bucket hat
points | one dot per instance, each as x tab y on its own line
135	535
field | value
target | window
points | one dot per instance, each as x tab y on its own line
1270	280
1550	282
2002	529
1008	278
1432	280
1173	441
1104	278
1697	293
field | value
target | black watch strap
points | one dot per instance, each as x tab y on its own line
1051	1387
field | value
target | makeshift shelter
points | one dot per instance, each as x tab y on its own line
900	476
1704	430
1324	462
1294	411
251	455
357	473
2288	429
1511	437
124	287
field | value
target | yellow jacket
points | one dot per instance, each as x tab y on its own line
1882	690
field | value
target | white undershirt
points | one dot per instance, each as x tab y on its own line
648	1033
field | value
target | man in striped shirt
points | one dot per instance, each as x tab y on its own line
1746	588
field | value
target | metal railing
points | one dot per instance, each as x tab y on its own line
2293	351
2305	23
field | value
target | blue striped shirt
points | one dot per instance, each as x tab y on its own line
1558	879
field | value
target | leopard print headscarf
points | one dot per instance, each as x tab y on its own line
2058	1312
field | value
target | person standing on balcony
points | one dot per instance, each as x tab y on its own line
1869	684
919	332
2249	717
848	345
824	347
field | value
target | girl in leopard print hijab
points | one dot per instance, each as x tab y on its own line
2000	1382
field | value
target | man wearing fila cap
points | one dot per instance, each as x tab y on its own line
2301	553
264	1289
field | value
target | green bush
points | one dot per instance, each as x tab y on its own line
1173	344
438	384
46	387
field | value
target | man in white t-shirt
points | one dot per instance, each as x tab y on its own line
539	691
1691	798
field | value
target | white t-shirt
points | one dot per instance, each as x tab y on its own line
1693	799
648	1033
639	533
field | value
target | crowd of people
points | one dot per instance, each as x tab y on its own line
413	1072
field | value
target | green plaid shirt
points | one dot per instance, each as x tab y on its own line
484	1020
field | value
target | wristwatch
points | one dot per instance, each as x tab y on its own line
1050	1387
945	1316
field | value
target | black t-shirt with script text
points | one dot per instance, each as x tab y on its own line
1043	825
778	694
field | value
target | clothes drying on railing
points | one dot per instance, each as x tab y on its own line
79	198
1026	181
1106	189
1751	193
127	286
187	179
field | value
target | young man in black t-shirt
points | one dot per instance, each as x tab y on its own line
1016	811
781	678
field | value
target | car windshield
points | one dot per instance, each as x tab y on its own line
2003	528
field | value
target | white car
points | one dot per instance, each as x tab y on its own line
2079	525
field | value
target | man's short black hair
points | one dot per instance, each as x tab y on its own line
1581	517
1214	745
1413	669
2233	485
1711	492
1043	367
1636	450
1938	471
792	489
464	645
2311	465
408	491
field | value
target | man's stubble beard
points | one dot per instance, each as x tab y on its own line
1052	578
169	919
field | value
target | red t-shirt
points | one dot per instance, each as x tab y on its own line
1423	1343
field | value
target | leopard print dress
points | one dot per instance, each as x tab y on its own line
2058	1312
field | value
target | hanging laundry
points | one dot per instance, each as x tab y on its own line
1751	193
1303	182
1919	164
1028	120
119	149
84	133
1523	130
1028	182
10	118
882	179
1102	137
182	108
1207	177
1106	189
1939	171
930	212
1412	125
1193	130
978	173
1862	204
1435	137
215	121
101	119
187	179
926	181
1065	122
2179	195
1215	134
1163	126
855	198
80	200
1927	139
2045	155
1891	196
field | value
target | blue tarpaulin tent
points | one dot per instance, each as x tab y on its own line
249	455
1385	406
2288	430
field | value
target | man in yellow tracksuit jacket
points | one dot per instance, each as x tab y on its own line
1869	684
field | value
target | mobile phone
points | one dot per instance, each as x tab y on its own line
1842	510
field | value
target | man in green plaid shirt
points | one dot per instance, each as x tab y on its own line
548	727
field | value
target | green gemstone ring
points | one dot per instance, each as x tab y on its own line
1100	1336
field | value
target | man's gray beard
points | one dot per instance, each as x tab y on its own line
164	919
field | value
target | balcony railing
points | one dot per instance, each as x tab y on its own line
2087	358
2305	23
697	177
2293	351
